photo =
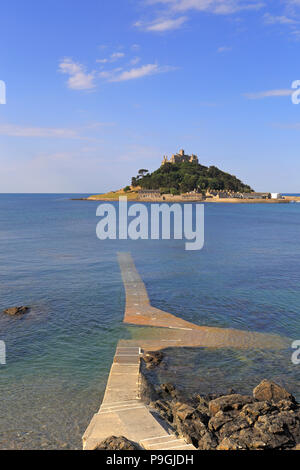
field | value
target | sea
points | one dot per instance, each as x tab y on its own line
59	354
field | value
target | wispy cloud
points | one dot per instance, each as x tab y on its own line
138	72
270	19
161	24
224	49
268	94
112	58
13	130
169	20
102	61
79	79
221	7
117	55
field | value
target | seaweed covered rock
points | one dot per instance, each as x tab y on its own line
152	359
16	311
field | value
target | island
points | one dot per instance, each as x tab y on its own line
182	178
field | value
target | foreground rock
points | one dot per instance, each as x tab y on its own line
268	390
16	311
117	443
270	419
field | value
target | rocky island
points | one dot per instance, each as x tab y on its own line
183	178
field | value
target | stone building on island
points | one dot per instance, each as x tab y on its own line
180	157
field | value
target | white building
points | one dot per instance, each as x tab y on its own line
276	196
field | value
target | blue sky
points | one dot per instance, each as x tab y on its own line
100	88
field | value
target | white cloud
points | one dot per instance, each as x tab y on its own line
102	61
78	78
143	71
113	57
268	94
12	130
162	24
224	49
117	55
221	7
270	19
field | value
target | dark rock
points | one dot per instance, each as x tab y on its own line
243	440
16	311
232	427
286	405
279	431
229	443
270	391
207	442
168	389
229	402
183	411
192	425
117	443
152	359
168	392
252	411
233	422
220	418
164	409
202	401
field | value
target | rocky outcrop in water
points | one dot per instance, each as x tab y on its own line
117	443
16	311
152	359
270	419
270	391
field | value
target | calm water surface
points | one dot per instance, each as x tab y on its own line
59	355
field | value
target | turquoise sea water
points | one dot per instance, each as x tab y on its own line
59	355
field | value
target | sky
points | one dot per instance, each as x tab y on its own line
97	89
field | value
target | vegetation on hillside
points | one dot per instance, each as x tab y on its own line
185	177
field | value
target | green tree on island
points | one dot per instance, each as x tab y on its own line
176	178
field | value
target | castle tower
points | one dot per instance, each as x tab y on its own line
165	160
194	159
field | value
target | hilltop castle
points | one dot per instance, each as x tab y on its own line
180	158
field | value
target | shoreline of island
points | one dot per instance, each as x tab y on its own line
182	178
133	196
